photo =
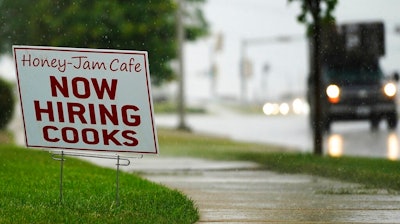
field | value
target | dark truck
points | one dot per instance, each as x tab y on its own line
353	84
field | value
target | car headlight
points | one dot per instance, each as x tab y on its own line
390	89
333	93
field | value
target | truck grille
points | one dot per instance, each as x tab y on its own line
361	96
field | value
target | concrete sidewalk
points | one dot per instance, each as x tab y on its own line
239	192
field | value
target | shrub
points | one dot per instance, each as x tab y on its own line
7	101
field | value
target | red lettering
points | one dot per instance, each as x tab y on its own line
94	136
81	87
125	66
62	87
104	113
85	87
39	111
46	133
127	118
92	114
73	134
61	65
128	135
104	87
73	112
60	112
89	136
98	65
112	63
76	109
138	68
107	137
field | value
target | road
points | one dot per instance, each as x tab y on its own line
345	138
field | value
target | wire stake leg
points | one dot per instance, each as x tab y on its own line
117	184
60	156
61	176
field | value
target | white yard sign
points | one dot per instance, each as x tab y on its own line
86	99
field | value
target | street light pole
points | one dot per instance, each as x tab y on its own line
180	52
243	78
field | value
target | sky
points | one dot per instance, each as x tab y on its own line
278	68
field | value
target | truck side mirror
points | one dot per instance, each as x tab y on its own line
396	76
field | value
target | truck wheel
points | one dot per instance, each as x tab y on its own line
374	124
392	121
326	125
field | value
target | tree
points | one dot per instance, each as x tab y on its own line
313	16
119	24
7	102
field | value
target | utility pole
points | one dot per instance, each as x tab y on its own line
180	30
215	47
243	75
244	63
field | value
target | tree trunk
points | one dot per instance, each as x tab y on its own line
316	73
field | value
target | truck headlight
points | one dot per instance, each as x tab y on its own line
390	89
333	93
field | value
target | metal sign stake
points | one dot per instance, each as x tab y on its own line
61	159
117	183
62	154
61	176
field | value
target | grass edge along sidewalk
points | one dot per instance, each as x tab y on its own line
29	193
371	172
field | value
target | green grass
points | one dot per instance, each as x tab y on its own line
29	193
171	107
377	173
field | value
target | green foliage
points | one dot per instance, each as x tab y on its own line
309	12
137	25
7	102
29	193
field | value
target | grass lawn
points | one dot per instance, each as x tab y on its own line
29	193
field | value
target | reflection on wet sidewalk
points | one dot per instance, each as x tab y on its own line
337	144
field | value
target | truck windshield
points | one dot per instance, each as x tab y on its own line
346	74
